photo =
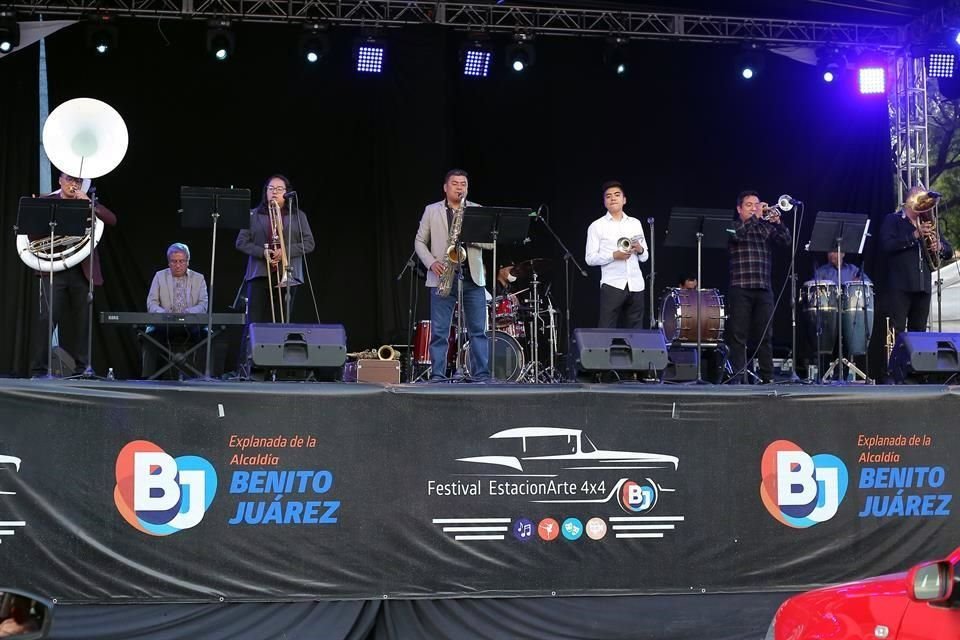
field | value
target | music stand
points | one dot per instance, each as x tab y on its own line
497	225
698	228
202	208
39	216
844	233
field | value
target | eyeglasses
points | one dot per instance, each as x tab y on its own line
277	189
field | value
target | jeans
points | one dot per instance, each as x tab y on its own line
441	315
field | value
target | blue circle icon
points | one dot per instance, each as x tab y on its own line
572	528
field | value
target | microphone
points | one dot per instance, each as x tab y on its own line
290	194
933	194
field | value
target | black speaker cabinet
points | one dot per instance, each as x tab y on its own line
925	357
298	346
619	350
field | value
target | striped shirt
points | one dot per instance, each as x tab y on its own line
750	254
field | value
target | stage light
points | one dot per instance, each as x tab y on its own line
520	54
941	64
221	42
830	64
9	32
749	62
314	43
369	55
872	80
101	34
615	56
956	38
475	56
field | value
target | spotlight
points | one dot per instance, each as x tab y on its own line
956	38
941	64
314	43
750	62
873	80
476	56
369	55
830	64
520	54
9	32
101	34
615	56
220	40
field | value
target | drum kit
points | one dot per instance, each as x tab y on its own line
524	337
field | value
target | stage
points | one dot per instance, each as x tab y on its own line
203	493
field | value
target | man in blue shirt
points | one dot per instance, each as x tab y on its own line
848	271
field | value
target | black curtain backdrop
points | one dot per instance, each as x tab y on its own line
367	153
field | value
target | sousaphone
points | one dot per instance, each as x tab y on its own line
83	138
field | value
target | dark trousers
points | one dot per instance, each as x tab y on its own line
748	313
70	289
620	308
908	310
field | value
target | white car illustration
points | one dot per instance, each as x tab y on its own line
7	462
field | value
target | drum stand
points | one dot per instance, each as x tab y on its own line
532	369
841	360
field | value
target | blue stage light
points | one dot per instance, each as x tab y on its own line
747	73
476	62
873	80
370	57
941	64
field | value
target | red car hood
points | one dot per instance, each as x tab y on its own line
846	610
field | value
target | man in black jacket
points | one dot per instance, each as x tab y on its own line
905	239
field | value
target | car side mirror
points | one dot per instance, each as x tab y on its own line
930	582
23	615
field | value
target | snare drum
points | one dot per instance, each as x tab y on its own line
507	309
857	316
819	302
678	315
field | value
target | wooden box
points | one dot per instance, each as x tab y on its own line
380	371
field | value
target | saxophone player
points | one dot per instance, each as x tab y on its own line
431	244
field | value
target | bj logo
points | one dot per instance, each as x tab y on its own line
801	490
158	494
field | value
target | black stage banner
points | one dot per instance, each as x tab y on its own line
116	492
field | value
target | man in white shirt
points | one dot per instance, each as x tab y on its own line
621	281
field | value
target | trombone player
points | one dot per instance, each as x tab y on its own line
70	290
913	247
265	244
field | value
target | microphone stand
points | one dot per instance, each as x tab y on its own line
411	308
567	259
293	208
88	372
793	297
653	275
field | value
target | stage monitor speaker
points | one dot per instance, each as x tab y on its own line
919	357
298	346
619	350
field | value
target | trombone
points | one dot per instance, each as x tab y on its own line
276	244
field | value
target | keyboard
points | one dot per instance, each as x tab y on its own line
134	318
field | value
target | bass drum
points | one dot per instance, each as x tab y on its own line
508	357
678	315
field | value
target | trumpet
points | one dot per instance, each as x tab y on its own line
625	244
784	204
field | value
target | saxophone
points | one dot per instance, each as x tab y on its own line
455	254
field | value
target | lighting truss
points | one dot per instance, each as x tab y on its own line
635	25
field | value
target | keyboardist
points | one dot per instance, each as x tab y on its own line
176	289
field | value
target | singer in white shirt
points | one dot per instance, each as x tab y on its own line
621	281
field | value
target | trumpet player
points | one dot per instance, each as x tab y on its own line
616	244
756	229
911	241
268	252
70	290
434	238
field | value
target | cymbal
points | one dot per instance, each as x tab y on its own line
525	269
85	138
